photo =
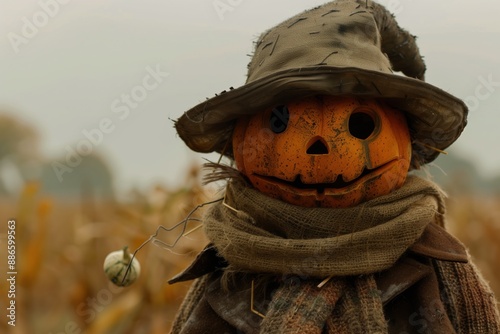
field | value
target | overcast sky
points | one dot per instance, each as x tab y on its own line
66	65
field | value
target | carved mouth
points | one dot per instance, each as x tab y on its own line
337	187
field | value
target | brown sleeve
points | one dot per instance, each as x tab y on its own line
470	303
193	296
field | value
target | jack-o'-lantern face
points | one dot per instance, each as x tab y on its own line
324	151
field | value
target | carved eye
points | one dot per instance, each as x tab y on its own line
362	124
278	121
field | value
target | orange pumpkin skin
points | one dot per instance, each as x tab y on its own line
332	152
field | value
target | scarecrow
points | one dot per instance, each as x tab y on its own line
322	229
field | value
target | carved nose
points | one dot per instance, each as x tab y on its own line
317	146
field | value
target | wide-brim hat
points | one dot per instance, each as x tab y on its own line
345	47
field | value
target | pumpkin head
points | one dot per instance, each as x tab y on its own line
324	151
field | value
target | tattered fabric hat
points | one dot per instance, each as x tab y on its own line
345	47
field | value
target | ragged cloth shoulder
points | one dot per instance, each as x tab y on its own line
404	288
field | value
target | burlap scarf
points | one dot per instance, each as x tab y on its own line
255	233
271	236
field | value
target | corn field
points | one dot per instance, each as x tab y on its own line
61	245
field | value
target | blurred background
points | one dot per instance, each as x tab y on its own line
90	162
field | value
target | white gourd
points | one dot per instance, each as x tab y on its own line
115	268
